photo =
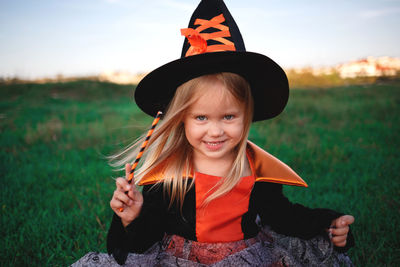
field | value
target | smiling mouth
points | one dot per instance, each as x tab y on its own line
214	145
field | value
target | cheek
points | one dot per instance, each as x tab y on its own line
193	132
236	131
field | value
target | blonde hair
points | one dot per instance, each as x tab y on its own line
169	140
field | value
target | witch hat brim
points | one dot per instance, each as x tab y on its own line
202	54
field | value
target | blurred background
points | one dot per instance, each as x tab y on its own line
68	70
43	39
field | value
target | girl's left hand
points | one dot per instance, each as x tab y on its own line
339	230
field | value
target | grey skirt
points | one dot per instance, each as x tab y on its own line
276	250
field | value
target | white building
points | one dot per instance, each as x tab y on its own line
370	67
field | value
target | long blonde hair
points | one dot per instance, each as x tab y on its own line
169	144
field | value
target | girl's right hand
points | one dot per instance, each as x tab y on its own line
131	203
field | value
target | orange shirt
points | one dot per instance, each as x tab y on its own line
220	220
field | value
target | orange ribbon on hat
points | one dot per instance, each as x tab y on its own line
198	40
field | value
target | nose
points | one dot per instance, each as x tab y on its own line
215	130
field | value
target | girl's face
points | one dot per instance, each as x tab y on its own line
214	124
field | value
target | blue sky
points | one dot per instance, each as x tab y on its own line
40	38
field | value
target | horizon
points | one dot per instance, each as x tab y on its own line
84	38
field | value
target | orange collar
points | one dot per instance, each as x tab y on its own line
266	168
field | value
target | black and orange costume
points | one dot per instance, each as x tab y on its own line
233	227
226	219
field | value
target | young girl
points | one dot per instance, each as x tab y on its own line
209	195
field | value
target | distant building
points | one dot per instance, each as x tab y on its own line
370	67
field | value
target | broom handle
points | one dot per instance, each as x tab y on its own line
142	148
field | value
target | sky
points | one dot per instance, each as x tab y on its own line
45	38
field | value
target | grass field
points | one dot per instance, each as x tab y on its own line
56	184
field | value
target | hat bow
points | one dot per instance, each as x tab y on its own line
198	40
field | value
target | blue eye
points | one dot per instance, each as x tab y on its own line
229	117
201	118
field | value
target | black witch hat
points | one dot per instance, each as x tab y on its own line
214	44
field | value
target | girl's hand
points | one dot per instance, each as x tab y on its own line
131	203
339	230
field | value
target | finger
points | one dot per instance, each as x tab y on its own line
116	205
122	184
122	197
348	219
339	239
133	194
340	231
344	221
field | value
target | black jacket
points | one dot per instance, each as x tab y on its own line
266	201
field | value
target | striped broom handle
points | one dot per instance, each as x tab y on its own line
142	148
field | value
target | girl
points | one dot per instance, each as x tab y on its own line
209	194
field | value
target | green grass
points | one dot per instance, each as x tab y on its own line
56	184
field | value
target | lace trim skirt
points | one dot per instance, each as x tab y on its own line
267	249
